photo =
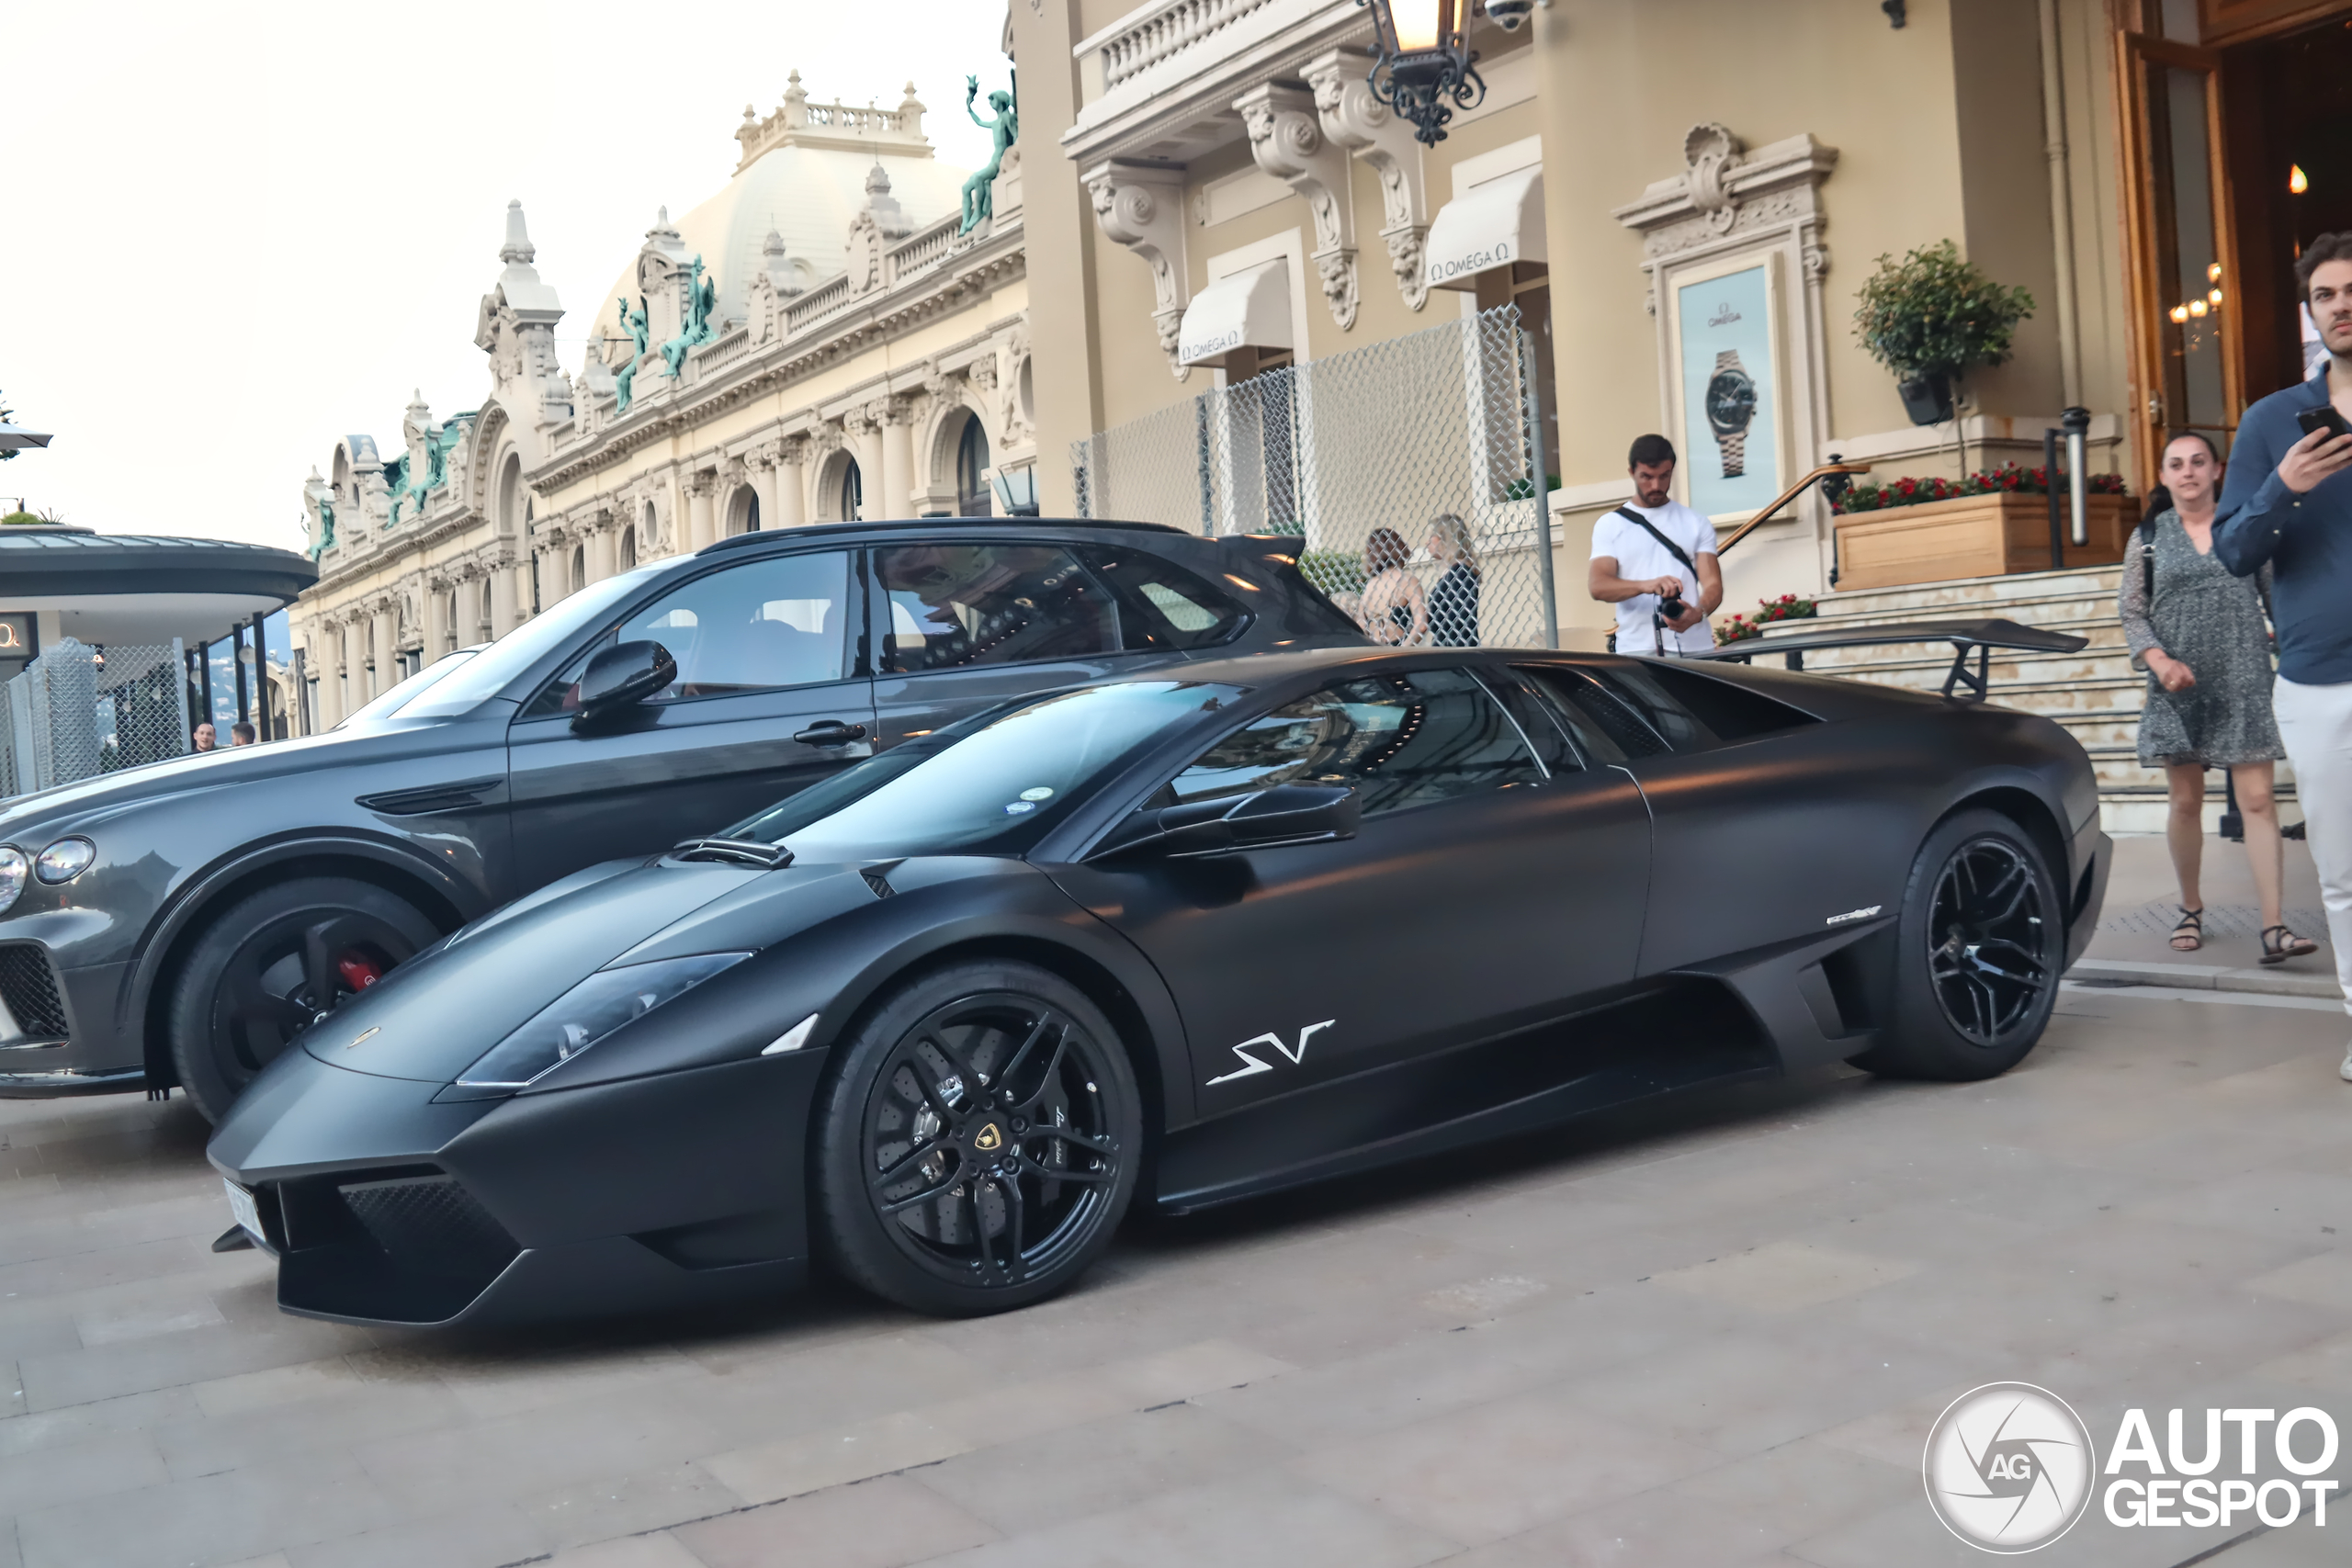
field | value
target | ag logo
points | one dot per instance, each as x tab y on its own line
2008	1467
1258	1065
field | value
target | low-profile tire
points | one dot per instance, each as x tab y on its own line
272	963
1979	947
977	1140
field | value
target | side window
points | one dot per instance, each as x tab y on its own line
1540	722
1647	707
1400	741
950	605
1609	727
757	626
1169	606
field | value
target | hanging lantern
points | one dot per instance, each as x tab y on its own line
1424	68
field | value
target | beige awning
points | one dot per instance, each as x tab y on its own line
1246	310
1489	226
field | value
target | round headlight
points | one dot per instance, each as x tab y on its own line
65	859
12	870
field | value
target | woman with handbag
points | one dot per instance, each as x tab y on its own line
2201	636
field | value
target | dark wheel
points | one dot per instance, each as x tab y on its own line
272	963
1978	952
978	1141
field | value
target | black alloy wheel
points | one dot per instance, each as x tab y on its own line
1978	947
272	965
1989	936
979	1140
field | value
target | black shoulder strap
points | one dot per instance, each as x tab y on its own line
1648	526
2148	560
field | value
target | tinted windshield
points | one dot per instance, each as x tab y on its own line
504	661
408	691
989	786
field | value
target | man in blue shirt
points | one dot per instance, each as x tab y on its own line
2287	501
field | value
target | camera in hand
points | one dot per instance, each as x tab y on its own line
1670	606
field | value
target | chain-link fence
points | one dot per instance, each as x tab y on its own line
1410	466
78	711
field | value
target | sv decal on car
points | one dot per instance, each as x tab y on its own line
1854	915
1258	1065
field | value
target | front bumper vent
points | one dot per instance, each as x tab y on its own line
400	1246
29	987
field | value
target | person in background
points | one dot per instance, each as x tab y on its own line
1395	609
2287	504
1453	598
207	738
1654	552
241	734
2198	631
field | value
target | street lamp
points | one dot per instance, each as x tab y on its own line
1423	58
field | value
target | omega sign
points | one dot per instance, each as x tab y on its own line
1494	255
1193	350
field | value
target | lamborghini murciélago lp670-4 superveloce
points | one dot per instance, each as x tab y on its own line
1212	931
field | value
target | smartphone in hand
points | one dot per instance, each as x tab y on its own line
2325	417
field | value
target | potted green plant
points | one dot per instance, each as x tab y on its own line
1932	317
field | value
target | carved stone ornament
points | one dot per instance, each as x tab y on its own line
1729	195
1360	123
1287	141
1141	206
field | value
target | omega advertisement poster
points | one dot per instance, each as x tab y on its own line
1727	385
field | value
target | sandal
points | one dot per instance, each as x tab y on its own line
2189	935
2288	945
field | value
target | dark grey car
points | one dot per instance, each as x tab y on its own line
178	924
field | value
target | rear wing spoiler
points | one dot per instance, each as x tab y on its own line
1967	638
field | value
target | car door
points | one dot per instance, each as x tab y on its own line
1479	896
962	623
768	698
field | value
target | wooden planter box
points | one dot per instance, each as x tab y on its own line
1972	535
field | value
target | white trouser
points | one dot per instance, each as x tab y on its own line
2316	724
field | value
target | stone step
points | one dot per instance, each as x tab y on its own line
1912	599
2032	609
2118	767
2097	634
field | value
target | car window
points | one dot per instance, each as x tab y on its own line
1537	719
1399	741
1609	728
1648	708
511	657
1168	606
756	627
389	702
951	605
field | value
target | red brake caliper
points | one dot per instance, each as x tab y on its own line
358	973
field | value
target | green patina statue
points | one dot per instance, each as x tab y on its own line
702	300
979	191
633	325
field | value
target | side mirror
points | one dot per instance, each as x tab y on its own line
1271	819
622	676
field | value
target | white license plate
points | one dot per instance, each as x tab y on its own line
240	1207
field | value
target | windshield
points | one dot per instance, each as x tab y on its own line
989	786
408	691
511	657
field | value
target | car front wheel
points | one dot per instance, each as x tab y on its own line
273	964
1979	947
978	1141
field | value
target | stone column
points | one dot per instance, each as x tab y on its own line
502	585
897	499
325	650
386	673
765	466
440	630
701	525
789	479
351	690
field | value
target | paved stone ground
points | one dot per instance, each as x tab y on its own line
1712	1333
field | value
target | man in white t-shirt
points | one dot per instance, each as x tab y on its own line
1653	554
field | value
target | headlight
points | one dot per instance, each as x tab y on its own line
65	859
588	1012
13	867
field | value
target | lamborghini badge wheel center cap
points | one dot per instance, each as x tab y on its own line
988	1139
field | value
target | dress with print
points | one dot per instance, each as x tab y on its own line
2212	621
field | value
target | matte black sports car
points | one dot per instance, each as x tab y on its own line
1213	931
176	924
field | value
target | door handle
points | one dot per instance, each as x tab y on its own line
831	732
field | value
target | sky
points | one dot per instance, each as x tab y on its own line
238	231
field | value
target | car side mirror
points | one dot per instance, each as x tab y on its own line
620	677
1271	819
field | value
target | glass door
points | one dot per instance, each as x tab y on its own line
2187	348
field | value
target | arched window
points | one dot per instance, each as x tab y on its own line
971	462
486	628
628	549
579	569
852	502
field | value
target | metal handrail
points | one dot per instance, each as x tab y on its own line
1788	495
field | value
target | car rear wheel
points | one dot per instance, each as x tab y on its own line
1979	947
273	964
978	1141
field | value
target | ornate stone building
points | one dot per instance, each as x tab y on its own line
827	337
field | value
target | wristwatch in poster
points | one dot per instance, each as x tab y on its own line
1731	404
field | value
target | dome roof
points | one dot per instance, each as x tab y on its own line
806	180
